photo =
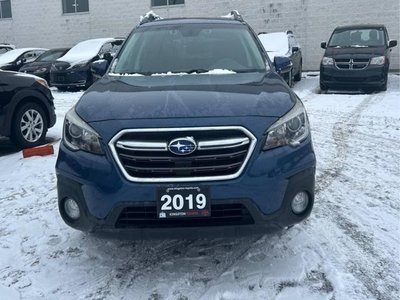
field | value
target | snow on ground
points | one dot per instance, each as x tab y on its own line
348	249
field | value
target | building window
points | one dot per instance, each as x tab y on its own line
5	9
166	2
75	6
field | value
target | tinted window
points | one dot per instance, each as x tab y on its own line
5	9
75	6
3	50
358	38
166	2
201	47
51	55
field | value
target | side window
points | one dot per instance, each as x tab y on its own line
166	2
75	6
29	56
106	48
5	9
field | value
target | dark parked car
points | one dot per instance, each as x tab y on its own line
5	48
284	44
26	108
13	60
73	70
356	57
41	66
190	133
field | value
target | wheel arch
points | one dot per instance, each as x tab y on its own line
20	99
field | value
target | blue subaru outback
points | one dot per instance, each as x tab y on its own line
190	133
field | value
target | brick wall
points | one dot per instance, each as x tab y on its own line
41	22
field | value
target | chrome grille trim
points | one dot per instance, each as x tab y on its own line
222	144
355	64
250	140
142	146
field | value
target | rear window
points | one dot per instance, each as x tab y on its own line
368	37
190	48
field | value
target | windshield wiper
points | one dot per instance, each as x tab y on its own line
192	71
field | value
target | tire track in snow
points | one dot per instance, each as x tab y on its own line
342	131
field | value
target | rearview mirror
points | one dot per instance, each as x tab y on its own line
99	68
323	45
295	49
282	64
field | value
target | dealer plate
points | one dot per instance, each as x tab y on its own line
183	202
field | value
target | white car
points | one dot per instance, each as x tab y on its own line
13	60
5	48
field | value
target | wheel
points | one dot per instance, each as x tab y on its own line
289	79
323	87
29	126
297	77
384	86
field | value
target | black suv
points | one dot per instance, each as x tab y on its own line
26	108
356	57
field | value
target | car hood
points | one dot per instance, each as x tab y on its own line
355	52
188	96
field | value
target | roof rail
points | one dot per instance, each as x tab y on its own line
149	17
234	15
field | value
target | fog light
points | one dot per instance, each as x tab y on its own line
72	209
300	203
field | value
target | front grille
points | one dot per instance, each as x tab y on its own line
351	63
221	215
143	155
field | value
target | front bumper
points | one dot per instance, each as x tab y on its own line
265	189
70	78
370	77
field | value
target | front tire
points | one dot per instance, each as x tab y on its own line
289	79
29	126
297	77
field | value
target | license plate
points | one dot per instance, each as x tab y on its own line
183	202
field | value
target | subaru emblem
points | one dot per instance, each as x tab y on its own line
182	146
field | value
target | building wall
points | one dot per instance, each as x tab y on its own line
41	22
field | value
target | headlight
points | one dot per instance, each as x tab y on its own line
42	82
291	129
378	60
41	70
326	61
80	136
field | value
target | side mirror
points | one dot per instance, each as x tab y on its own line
282	64
295	49
392	43
107	56
323	45
99	68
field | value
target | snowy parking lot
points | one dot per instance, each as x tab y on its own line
348	249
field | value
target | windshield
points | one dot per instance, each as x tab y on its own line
83	51
190	48
275	42
50	55
369	37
